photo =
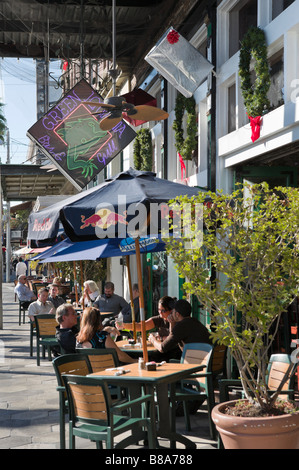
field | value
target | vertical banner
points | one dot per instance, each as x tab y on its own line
70	135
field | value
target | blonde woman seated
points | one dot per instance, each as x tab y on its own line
91	292
92	335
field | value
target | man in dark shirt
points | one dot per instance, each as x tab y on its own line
67	329
54	296
186	329
110	302
127	312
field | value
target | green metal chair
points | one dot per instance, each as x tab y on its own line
277	367
199	387
45	335
68	364
100	359
23	307
32	335
93	415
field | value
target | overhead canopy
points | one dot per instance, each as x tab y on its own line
35	28
27	182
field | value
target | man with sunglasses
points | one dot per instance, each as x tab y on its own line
186	329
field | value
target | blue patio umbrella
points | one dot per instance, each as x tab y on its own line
108	210
53	250
106	248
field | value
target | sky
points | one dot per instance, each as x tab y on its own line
18	93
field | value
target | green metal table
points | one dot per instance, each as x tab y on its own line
164	380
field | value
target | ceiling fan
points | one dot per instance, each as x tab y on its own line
118	108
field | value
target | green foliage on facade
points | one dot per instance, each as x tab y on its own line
255	97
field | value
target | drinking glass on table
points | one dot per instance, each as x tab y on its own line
119	323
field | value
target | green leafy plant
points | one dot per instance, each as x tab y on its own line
185	146
91	270
251	240
143	150
254	47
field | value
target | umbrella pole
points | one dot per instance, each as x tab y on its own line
131	296
82	280
75	282
141	301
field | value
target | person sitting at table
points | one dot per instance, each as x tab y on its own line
158	322
110	302
92	335
25	295
42	305
57	281
67	329
162	326
185	330
54	297
127	312
90	293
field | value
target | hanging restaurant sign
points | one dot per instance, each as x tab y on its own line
70	135
179	62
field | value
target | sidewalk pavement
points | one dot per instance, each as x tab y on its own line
29	409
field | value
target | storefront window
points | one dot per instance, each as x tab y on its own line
278	6
241	17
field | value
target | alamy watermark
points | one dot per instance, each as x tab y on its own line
176	220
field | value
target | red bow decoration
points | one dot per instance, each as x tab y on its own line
173	37
65	65
183	167
255	124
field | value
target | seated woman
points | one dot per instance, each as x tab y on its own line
91	292
162	326
92	335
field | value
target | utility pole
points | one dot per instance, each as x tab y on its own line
8	239
1	255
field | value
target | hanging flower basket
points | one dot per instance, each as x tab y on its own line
255	95
185	146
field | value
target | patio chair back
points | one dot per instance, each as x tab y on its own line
197	353
277	367
93	415
70	364
90	401
45	325
100	359
218	360
45	334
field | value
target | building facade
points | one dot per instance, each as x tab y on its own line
225	153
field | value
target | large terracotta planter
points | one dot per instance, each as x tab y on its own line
279	432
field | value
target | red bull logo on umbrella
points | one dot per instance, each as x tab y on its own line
103	218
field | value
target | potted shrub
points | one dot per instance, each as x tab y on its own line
250	241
